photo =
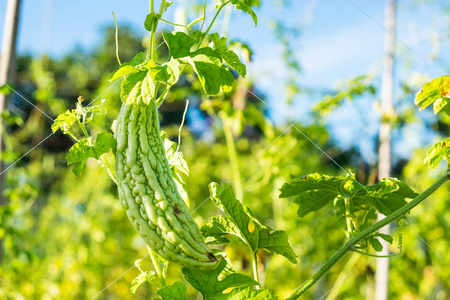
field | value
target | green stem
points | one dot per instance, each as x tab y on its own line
204	16
117	39
237	182
347	214
156	266
212	22
255	268
174	24
151	41
366	233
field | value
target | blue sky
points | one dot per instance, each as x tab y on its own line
339	40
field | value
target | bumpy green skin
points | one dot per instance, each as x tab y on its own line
148	191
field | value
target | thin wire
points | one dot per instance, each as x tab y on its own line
431	204
13	288
391	33
112	84
293	124
10	166
437	253
372	73
259	153
134	266
17	93
342	280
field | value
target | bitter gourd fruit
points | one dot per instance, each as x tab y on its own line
149	194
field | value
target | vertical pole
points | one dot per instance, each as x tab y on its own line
7	75
384	152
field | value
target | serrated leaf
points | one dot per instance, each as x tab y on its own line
130	67
208	284
84	149
436	90
167	73
65	121
138	88
249	293
438	152
389	202
242	5
176	291
179	44
239	221
207	63
230	58
313	192
212	74
148	276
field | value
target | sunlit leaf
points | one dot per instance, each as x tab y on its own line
239	221
84	149
209	285
176	291
436	91
438	152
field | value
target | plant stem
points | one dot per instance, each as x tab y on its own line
366	233
255	268
174	24
156	266
117	39
212	22
150	42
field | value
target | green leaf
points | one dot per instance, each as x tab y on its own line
133	66
178	166
241	223
249	293
207	62
438	152
179	44
392	196
313	192
230	58
376	244
138	88
65	121
385	237
176	291
84	149
4	90
148	276
437	91
213	75
151	21
167	73
245	7
208	284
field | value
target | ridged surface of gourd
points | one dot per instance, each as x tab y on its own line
148	191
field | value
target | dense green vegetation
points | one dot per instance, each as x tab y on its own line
68	236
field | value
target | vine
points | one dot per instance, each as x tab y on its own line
163	221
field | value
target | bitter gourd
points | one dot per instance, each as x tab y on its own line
148	191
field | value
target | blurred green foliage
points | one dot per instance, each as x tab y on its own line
67	237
